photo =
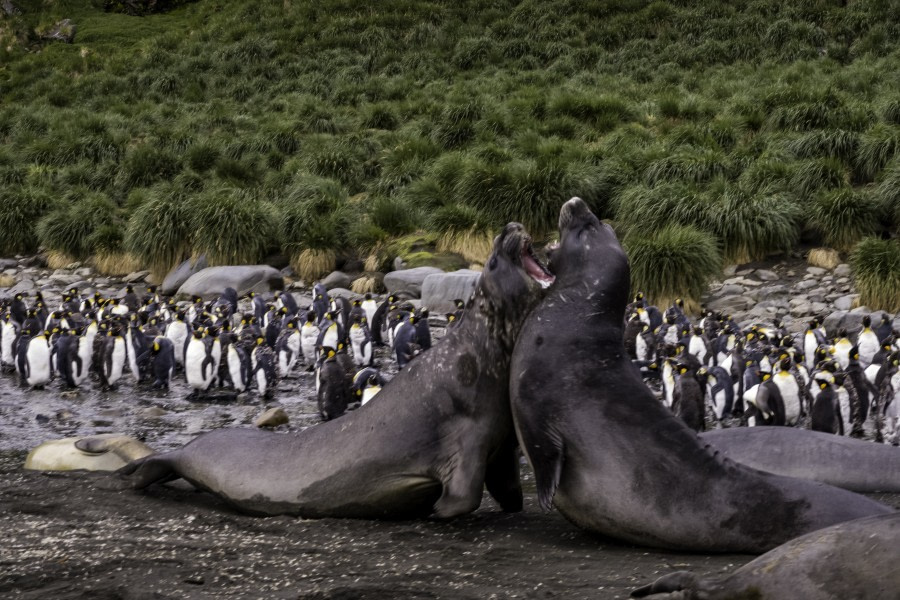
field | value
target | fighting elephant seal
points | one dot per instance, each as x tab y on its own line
611	457
102	452
856	559
844	462
436	435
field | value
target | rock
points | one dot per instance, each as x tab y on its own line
177	276
801	309
210	282
344	293
807	284
63	31
818	308
846	302
8	263
154	412
272	418
22	287
816	271
842	270
337	279
730	304
731	289
765	275
136	277
409	281
441	289
38	261
842	319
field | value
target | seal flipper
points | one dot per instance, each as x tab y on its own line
546	453
680	581
147	471
502	477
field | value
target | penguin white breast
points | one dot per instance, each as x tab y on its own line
38	356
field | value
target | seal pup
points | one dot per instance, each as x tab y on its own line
856	559
102	452
612	458
440	431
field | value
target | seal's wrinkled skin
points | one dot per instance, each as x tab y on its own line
429	443
611	457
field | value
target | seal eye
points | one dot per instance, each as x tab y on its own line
493	263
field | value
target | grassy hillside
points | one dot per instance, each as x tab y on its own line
238	127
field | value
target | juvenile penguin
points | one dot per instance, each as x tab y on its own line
287	347
333	394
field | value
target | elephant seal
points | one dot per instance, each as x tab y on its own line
612	458
844	462
856	559
103	452
440	431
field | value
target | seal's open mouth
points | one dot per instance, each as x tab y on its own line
533	266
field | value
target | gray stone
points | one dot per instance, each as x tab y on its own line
816	271
807	284
177	276
766	275
731	289
843	270
8	263
408	281
63	31
272	418
210	282
801	309
731	304
344	293
441	289
846	302
136	277
22	287
10	272
798	300
819	307
842	319
337	279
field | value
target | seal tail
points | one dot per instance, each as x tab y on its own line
149	470
681	583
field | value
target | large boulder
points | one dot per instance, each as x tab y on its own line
337	279
177	276
439	290
408	281
210	282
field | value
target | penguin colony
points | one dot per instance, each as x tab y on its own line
151	339
761	375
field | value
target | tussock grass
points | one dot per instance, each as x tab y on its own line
372	262
646	209
159	231
826	258
20	209
753	225
69	228
876	269
230	226
675	262
115	263
473	245
311	264
59	260
844	216
877	147
364	285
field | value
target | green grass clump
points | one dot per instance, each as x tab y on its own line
69	229
845	216
313	215
876	269
645	209
230	227
159	230
753	225
394	215
879	145
675	262
20	210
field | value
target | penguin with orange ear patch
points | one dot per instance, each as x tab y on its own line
162	361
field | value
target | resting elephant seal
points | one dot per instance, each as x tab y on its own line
103	452
844	462
856	559
610	456
429	443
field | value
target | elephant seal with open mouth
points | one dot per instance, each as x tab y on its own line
611	457
430	442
